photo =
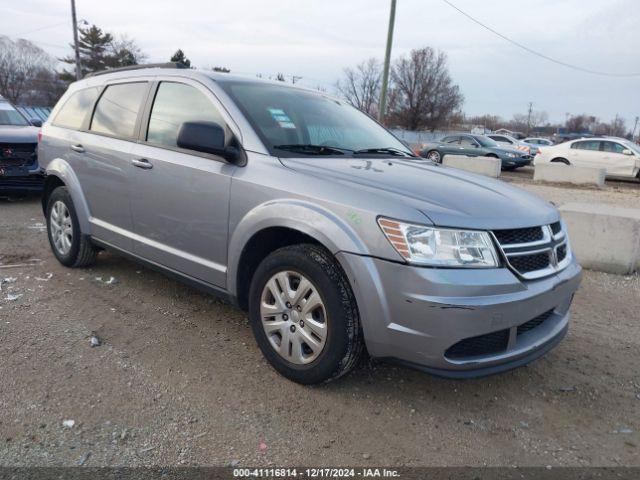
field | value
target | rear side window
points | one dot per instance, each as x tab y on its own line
117	109
176	103
450	140
467	141
588	145
75	110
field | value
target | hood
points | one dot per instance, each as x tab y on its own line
18	134
447	196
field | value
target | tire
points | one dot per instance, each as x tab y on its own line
434	156
339	344
75	250
560	160
491	155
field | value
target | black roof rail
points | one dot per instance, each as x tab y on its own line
137	67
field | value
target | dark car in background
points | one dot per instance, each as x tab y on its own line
475	146
20	173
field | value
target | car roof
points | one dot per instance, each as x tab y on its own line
218	77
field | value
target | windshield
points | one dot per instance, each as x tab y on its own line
632	146
486	142
10	116
295	122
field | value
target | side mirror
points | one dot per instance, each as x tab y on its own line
626	151
206	137
36	122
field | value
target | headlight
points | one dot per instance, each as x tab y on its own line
440	247
510	155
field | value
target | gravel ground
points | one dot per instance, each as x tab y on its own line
178	380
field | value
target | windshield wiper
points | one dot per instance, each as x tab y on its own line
310	149
389	150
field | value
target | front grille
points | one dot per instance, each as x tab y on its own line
534	252
519	235
561	252
530	263
17	154
488	344
536	322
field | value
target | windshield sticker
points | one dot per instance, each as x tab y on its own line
282	118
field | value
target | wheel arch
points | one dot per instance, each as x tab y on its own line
60	173
265	229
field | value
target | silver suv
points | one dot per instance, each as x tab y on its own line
310	215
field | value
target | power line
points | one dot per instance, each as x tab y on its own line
39	29
539	54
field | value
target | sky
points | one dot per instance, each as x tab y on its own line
317	39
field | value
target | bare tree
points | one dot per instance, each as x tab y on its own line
489	122
20	63
361	86
423	94
580	123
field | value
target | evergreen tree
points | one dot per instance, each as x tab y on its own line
180	57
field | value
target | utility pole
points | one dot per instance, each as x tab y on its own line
75	39
387	60
529	118
633	134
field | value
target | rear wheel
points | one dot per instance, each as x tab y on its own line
560	160
304	315
69	245
434	156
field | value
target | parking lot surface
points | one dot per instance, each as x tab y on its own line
178	379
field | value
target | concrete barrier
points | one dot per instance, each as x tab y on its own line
604	237
488	166
561	173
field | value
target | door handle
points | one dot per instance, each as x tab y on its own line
142	163
77	148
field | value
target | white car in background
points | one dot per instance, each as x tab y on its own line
620	158
540	142
509	141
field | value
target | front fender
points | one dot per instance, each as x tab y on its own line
60	168
313	220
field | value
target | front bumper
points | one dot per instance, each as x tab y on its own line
516	162
417	315
21	180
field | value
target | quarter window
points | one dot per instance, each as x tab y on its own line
118	108
176	103
75	110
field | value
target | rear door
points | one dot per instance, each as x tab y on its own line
450	145
616	162
586	153
469	146
180	198
103	155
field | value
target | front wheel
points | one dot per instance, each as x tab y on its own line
434	156
304	315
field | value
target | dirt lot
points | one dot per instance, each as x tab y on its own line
178	379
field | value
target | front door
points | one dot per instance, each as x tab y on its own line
180	198
616	162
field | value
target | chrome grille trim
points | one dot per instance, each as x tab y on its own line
549	244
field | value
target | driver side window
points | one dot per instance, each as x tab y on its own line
174	104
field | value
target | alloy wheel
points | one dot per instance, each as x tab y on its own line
61	228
